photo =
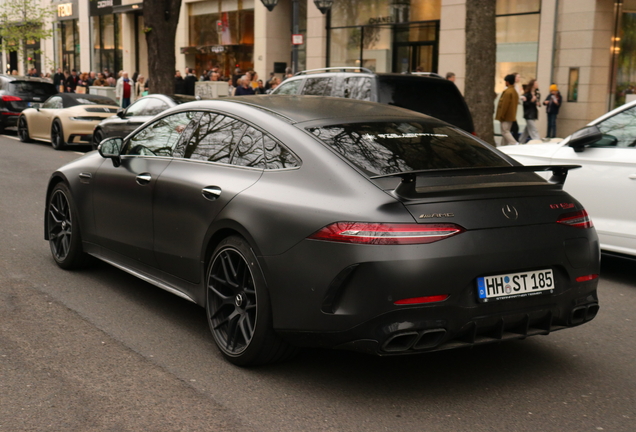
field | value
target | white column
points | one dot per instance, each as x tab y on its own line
85	36
272	37
452	41
316	37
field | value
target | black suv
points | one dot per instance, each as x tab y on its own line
18	93
427	93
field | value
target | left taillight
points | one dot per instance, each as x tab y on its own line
577	219
385	233
7	98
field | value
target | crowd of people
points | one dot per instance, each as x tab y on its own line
240	83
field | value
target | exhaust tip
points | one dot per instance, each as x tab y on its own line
429	339
591	312
578	315
400	342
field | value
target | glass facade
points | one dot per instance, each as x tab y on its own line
624	50
107	43
385	35
68	44
223	39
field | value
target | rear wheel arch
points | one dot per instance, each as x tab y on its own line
57	178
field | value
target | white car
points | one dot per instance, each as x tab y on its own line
606	183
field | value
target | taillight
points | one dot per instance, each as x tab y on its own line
577	219
6	98
386	234
422	300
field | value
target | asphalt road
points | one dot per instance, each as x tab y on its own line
99	350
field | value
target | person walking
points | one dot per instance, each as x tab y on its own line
531	102
189	82
553	104
178	83
124	90
507	110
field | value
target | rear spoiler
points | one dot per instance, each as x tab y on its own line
406	188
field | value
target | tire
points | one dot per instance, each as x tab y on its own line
23	130
98	136
63	229
57	136
238	307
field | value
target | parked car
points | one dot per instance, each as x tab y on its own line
18	93
135	115
65	119
313	221
426	93
606	184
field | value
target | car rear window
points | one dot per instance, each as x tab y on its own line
380	148
435	97
31	88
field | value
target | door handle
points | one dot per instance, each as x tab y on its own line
632	177
211	192
143	179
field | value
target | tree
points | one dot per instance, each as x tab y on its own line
160	25
481	59
22	21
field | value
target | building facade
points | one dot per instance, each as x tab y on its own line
584	46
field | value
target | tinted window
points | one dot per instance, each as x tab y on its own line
31	88
288	87
277	156
357	88
160	137
317	86
392	147
214	140
432	96
619	130
249	151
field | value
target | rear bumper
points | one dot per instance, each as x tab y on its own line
342	295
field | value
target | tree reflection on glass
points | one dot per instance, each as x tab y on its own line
160	138
392	147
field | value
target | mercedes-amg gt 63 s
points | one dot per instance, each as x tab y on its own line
313	221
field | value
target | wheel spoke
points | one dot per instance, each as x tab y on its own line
246	337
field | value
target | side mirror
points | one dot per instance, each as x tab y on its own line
36	105
110	148
584	137
121	113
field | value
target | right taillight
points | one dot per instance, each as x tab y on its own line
386	233
577	219
11	98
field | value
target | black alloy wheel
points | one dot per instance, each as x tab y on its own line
238	307
57	136
98	137
63	229
23	130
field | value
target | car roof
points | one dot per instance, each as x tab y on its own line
25	78
299	109
72	99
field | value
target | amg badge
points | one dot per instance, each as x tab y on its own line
437	215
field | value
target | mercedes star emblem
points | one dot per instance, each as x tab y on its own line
510	212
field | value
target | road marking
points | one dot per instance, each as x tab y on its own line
11	137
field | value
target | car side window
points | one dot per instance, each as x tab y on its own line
138	108
618	130
161	137
277	156
154	107
318	86
289	87
213	140
249	151
357	88
52	103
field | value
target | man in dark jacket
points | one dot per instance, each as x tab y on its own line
58	79
71	82
178	83
189	82
531	102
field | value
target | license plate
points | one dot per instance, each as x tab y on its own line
505	286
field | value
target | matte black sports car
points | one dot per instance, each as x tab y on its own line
311	221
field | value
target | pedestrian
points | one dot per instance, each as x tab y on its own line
82	84
123	90
553	104
178	83
244	88
100	81
514	130
507	110
450	76
58	80
91	78
189	82
531	102
71	81
140	87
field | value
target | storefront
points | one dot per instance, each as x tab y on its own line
221	34
67	40
384	35
106	30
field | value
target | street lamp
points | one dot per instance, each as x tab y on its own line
323	6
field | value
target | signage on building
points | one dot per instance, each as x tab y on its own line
382	20
297	39
67	10
103	7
